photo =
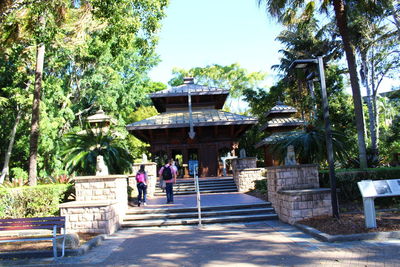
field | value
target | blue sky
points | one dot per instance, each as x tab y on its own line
197	33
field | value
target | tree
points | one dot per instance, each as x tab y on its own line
309	145
98	53
377	46
287	13
82	149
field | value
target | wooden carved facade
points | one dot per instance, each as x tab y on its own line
216	131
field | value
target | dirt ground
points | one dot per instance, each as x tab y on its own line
39	245
351	220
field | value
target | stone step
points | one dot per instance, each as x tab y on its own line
203	180
192	188
211	191
136	210
206	184
194	214
209	220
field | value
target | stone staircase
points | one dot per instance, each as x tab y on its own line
207	186
161	217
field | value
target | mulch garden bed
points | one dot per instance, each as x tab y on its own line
40	245
351	219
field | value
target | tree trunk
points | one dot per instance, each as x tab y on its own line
34	138
341	22
365	81
5	170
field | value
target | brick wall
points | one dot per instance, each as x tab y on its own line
91	216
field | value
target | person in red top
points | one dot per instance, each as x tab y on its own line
168	175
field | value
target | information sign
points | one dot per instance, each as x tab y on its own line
372	189
380	188
193	164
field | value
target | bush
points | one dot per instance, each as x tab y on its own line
261	186
32	201
346	182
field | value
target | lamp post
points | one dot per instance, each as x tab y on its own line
301	64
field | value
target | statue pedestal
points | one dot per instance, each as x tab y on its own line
295	194
101	202
245	173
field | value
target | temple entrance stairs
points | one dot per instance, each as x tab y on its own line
207	186
160	217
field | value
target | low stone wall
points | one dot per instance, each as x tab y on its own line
295	205
245	173
244	163
292	177
109	187
295	194
91	216
101	202
151	169
245	178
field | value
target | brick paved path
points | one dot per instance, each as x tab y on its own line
257	244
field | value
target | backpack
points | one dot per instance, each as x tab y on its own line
140	177
167	173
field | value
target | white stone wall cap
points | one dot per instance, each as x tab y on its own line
147	163
80	204
292	166
250	169
305	191
114	176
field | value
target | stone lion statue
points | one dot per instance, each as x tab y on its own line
290	158
101	167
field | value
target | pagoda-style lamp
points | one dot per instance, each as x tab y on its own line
99	121
304	63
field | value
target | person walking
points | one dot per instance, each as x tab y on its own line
168	175
141	181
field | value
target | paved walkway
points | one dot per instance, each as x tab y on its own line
184	201
257	244
270	243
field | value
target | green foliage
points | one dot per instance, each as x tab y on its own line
98	53
346	182
35	201
261	186
19	174
82	149
309	145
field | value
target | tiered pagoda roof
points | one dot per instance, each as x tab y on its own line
207	103
280	122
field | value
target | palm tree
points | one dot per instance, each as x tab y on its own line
287	12
309	144
81	150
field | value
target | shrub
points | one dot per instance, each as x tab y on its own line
346	182
32	201
261	186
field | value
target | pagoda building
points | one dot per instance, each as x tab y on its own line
192	125
280	119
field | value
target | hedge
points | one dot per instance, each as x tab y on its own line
346	182
32	201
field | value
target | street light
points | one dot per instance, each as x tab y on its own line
301	64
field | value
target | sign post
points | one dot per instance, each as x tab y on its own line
373	189
196	182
